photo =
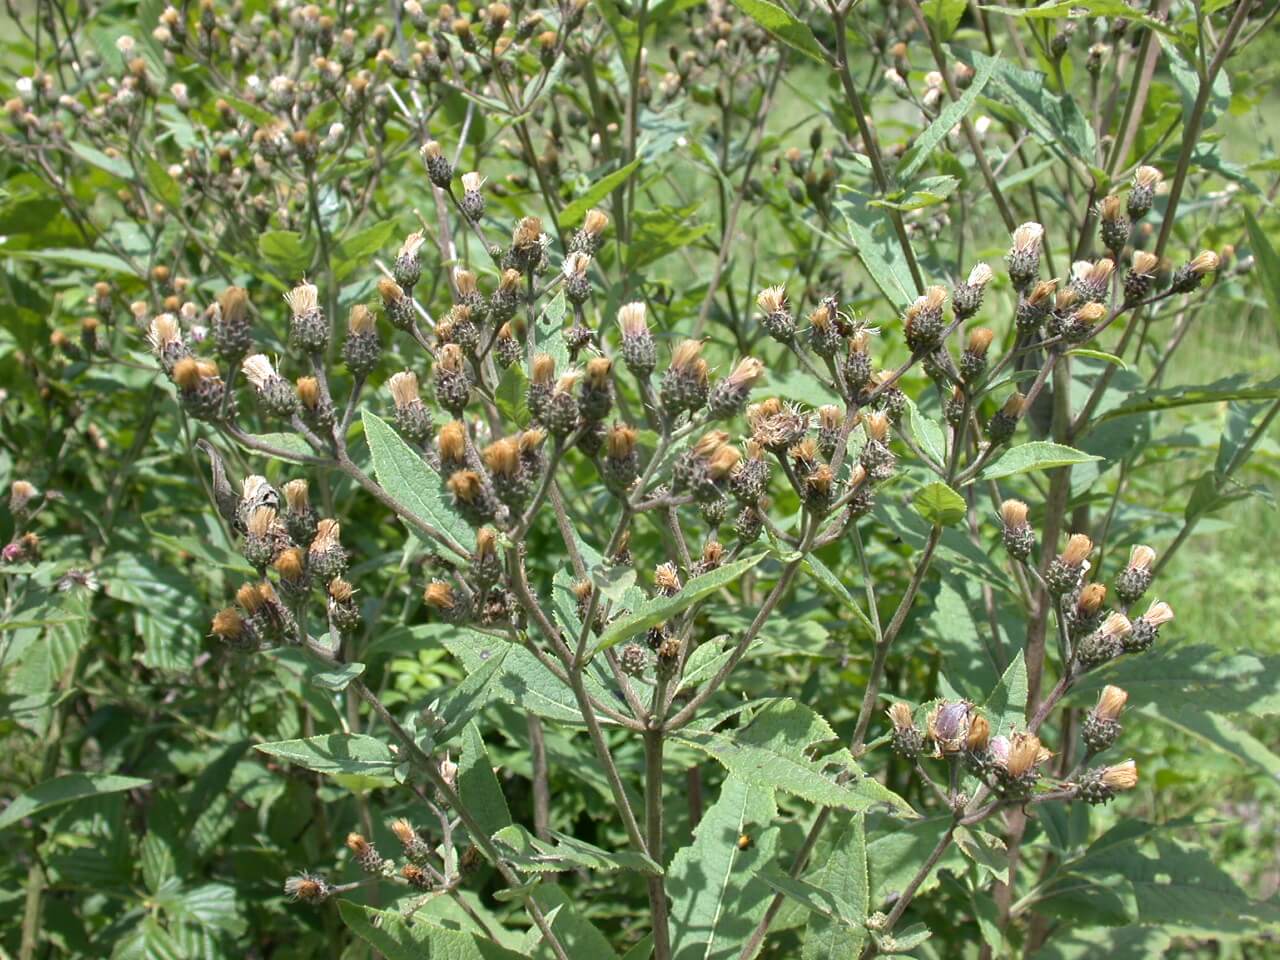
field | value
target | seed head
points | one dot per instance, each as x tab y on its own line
404	388
361	320
1144	263
1027	237
228	624
544	369
772	299
451	442
1111	703
186	373
258	370
472	182
1078	548
439	595
980	275
1013	513
502	457
1091	598
465	485
1158	613
746	374
302	299
164	332
1120	776
979	734
289	564
899	713
980	340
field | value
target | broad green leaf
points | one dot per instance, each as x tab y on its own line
354	252
1268	269
530	855
478	786
1055	120
162	186
407	478
1110	358
939	504
575	211
716	897
524	681
775	748
1006	708
334	753
945	122
286	252
876	245
107	263
1035	455
782	25
1235	387
397	939
987	851
843	874
658	609
578	935
116	166
928	434
925	193
815	899
662	231
944	15
894	858
338	679
466	699
65	789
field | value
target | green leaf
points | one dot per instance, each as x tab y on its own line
528	854
65	789
1268	261
1006	708
338	679
880	254
944	15
101	262
926	193
334	753
782	25
939	504
843	873
162	186
1098	355
466	699
575	211
1055	120
928	434
657	609
832	584
524	681
776	748
937	131
354	252
116	166
397	939
408	479
1036	455
1235	387
478	786
716	897
286	252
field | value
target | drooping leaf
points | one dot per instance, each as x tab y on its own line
334	753
842	872
716	897
782	25
658	609
576	210
939	504
65	789
943	124
1006	708
397	939
408	479
1235	387
530	855
774	748
478	786
1034	455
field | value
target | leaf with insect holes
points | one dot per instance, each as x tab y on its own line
408	479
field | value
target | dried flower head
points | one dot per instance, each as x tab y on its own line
1111	701
1078	548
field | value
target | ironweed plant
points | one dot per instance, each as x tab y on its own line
695	510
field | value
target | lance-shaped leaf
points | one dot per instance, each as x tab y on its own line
405	476
529	854
659	609
779	746
397	939
65	789
334	753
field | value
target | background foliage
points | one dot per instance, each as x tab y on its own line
144	822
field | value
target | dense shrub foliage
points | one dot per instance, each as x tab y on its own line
635	479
